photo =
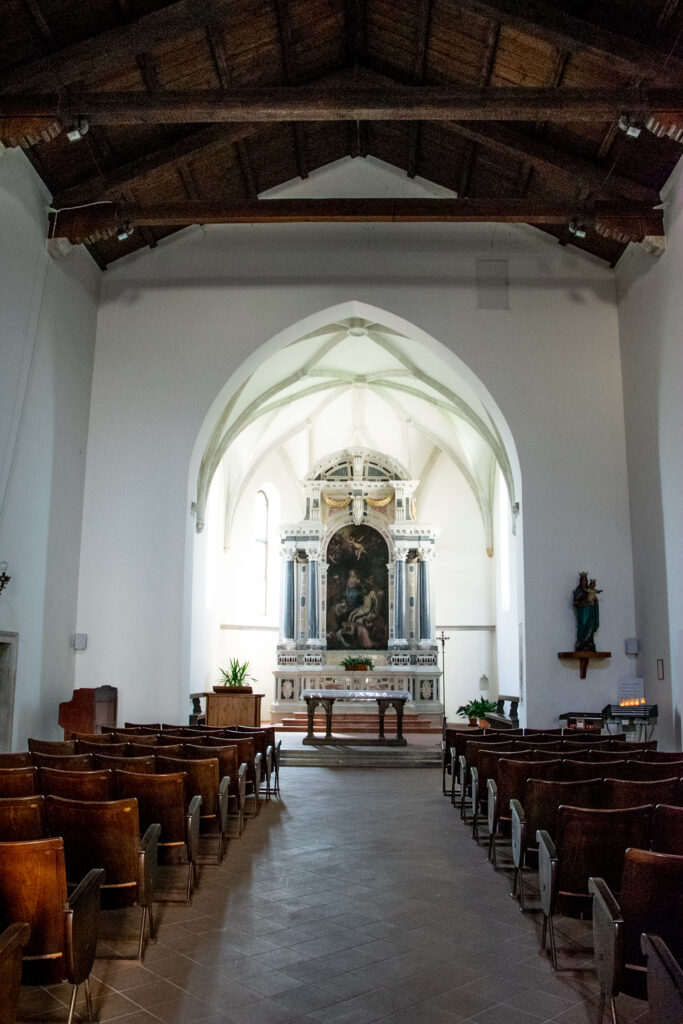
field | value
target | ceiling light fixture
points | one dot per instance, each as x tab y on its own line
629	126
80	129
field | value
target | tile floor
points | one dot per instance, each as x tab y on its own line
357	897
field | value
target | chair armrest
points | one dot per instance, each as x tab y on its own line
192	827
80	926
492	805
462	771
269	760
14	936
223	798
147	864
608	936
547	871
242	785
474	776
519	833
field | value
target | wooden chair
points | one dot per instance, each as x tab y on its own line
95	785
149	739
460	739
587	843
447	765
52	746
511	784
468	760
66	762
93	737
107	834
248	755
113	749
543	732
625	793
485	769
664	981
275	748
22	818
163	799
536	810
169	750
125	764
605	756
151	726
18	782
63	938
642	770
12	943
651	900
22	759
228	765
667	829
653	756
203	778
574	771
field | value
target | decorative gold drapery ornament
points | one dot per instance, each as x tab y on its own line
336	502
379	502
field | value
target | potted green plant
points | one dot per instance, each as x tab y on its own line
235	677
354	663
477	709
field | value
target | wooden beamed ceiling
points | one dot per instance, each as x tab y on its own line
193	108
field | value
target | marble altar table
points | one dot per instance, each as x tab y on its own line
384	698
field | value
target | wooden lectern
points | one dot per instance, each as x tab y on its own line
89	710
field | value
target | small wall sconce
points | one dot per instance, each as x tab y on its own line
4	578
484	684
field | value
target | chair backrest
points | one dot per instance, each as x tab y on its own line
543	797
642	770
593	842
543	732
667	829
651	900
52	746
604	756
154	726
572	770
22	818
94	737
147	739
161	798
259	737
487	764
18	781
26	870
626	793
245	749
95	785
513	776
202	778
136	749
99	834
228	760
126	764
664	980
113	749
67	762
22	759
462	738
473	747
662	755
539	740
171	750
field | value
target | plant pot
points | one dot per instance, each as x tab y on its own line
363	667
233	689
474	721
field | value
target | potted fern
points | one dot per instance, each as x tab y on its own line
354	663
235	677
478	709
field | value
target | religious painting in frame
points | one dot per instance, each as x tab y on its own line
357	585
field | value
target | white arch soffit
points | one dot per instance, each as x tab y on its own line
398	469
219	441
493	439
373	519
483	494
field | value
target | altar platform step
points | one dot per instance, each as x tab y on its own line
358	723
360	757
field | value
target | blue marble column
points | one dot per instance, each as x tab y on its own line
400	600
288	599
425	629
313	600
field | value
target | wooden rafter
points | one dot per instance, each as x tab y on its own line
631	220
573	34
346	103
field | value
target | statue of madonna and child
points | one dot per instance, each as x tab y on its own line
587	611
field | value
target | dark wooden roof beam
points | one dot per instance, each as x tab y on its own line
629	221
346	103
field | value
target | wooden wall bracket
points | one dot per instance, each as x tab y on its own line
583	657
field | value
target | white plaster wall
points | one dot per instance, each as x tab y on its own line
48	312
650	323
178	322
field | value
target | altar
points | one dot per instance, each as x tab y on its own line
384	698
356	587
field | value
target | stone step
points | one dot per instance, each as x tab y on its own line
359	723
361	757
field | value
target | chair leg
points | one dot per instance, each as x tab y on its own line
88	1000
601	1007
553	951
522	906
141	941
72	1004
190	881
613	1008
544	932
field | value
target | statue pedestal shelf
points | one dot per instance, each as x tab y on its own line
583	657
